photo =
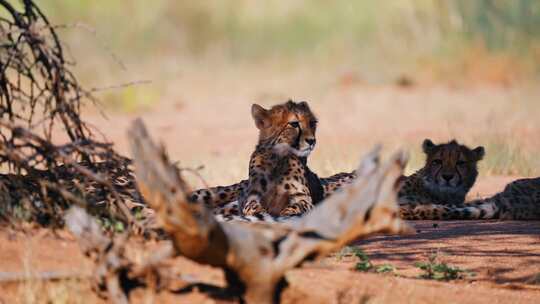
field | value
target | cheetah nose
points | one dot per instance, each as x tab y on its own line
311	141
447	177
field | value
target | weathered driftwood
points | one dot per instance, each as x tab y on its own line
115	273
255	257
106	253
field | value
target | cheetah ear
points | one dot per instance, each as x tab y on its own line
479	153
260	115
427	145
304	104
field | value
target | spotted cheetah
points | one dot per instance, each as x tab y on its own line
231	211
449	173
280	183
520	200
438	190
286	138
219	196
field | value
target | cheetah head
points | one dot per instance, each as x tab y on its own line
450	168
289	127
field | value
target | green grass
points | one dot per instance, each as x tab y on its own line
385	268
365	265
435	270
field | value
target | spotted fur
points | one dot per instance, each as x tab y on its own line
438	190
220	196
520	200
216	197
335	182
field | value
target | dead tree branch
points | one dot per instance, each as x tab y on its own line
256	257
116	274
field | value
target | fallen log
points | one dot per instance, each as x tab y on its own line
256	256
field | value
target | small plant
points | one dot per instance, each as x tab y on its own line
433	270
364	264
384	268
112	225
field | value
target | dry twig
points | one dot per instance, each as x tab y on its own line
40	98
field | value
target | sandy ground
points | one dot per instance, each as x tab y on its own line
502	260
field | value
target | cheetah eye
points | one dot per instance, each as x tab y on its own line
313	124
460	162
437	162
294	124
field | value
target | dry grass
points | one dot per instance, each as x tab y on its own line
59	292
37	291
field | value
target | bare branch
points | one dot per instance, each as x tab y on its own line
256	257
38	95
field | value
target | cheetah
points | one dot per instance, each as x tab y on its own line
520	200
219	196
449	173
280	183
231	211
278	172
438	190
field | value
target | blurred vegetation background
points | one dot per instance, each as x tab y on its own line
203	55
429	40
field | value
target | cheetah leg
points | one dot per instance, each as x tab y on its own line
300	202
257	188
220	195
253	205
